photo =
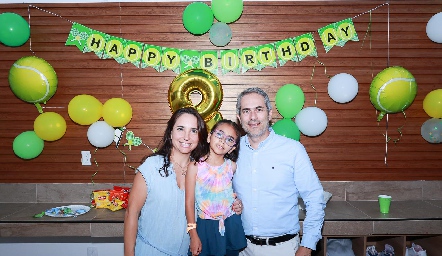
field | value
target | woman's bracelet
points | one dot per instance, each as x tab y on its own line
190	226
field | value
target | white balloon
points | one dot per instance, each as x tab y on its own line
434	31
343	88
100	134
311	121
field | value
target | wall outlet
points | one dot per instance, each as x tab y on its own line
86	158
92	251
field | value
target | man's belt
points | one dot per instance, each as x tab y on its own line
270	240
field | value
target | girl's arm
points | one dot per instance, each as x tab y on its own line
195	242
237	204
138	195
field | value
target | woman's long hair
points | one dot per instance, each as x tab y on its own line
165	146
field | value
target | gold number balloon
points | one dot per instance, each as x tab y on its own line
204	82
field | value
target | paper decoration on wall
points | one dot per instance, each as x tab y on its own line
305	46
266	56
248	58
152	57
230	61
337	33
236	60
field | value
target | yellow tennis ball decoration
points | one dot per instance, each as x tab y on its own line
392	90
32	79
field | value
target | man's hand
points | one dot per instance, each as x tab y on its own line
303	251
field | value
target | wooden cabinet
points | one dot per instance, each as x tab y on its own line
431	243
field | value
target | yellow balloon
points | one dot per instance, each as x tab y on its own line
202	81
85	109
433	103
117	112
50	126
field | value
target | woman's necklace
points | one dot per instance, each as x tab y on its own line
183	168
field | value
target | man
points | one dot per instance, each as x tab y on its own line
272	171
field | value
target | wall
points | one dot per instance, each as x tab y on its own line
352	147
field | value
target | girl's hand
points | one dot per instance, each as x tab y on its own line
237	205
195	245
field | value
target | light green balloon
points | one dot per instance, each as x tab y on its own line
14	29
227	11
197	18
287	128
289	100
27	145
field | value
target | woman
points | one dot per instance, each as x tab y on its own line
155	221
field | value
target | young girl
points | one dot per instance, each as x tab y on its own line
218	230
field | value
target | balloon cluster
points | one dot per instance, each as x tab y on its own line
87	110
14	30
198	19
311	121
431	129
33	80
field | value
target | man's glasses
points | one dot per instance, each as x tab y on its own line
229	140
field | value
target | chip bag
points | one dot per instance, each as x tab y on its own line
112	199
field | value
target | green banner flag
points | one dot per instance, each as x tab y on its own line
305	46
152	57
329	36
114	48
346	31
96	43
78	36
266	56
132	52
230	61
170	60
190	59
248	57
286	51
209	61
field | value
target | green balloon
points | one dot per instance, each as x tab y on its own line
289	100
287	128
14	30
27	145
197	18
227	11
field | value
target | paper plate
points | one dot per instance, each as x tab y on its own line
67	211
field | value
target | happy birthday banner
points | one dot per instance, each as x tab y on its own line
160	58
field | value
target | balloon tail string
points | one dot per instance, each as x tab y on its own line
96	164
387	139
399	130
311	83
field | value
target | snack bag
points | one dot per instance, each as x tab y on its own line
112	199
100	199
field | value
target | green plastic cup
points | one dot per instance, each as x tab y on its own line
384	203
